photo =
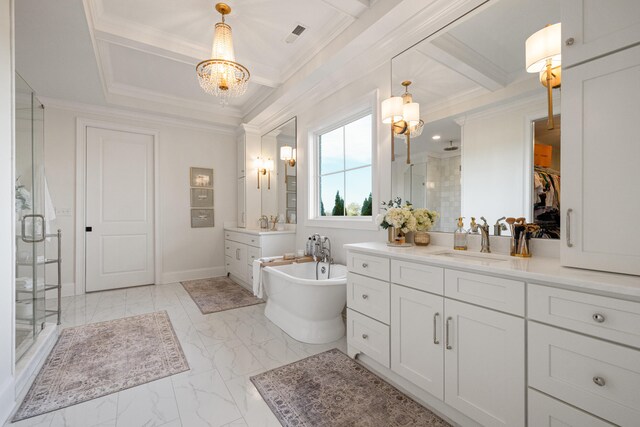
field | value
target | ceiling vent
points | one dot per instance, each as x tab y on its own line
299	29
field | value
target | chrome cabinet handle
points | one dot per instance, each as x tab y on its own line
568	226
365	336
365	265
599	381
365	296
570	41
446	335
435	328
238	254
599	318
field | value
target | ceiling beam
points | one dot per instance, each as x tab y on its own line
352	8
459	57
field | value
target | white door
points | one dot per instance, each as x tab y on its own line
600	157
416	338
119	209
591	28
484	364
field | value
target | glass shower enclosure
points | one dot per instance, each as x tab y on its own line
31	227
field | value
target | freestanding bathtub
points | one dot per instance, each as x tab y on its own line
307	309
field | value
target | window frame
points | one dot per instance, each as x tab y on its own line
367	105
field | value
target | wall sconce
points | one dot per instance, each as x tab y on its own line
543	56
264	167
288	154
404	116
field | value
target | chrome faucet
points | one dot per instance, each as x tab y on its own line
322	252
484	230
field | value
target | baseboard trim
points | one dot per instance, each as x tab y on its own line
201	273
7	399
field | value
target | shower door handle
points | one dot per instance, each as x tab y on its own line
568	226
43	232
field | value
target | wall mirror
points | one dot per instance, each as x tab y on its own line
482	146
278	172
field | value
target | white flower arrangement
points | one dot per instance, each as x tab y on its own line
425	219
397	215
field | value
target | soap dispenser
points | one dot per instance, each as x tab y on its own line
460	237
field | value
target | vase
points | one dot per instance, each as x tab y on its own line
396	236
421	238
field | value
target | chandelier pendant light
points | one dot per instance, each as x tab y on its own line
221	75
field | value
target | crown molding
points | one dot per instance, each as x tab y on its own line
119	113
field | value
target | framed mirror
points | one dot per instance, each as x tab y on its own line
481	147
279	156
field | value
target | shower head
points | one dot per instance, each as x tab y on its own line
451	147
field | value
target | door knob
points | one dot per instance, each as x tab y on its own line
365	336
365	296
600	382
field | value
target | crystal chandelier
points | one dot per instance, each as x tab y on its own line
221	76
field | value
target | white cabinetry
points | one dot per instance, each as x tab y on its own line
484	364
545	411
600	155
417	338
591	28
242	203
249	198
242	247
470	357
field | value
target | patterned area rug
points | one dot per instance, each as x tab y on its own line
329	389
219	294
94	360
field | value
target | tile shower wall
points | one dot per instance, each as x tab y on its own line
444	190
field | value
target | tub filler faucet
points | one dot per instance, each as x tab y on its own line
322	253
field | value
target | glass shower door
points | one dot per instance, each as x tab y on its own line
31	226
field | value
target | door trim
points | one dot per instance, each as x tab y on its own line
80	211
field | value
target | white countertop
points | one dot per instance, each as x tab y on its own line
535	270
257	231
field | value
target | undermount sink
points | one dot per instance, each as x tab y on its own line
474	258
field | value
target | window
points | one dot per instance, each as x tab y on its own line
344	169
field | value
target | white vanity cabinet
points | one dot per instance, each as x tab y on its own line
600	155
591	28
468	356
243	246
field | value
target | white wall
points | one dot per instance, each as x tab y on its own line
314	117
497	161
186	253
7	291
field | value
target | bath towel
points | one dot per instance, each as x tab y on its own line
257	275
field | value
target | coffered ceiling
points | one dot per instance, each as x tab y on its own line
146	51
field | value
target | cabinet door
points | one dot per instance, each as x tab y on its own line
242	217
600	157
484	363
597	27
545	411
416	338
241	147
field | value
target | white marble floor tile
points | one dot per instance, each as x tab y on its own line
234	361
97	412
150	404
214	331
254	409
204	400
276	352
39	421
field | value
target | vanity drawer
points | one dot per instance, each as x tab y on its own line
609	318
368	336
492	292
252	254
545	411
368	265
247	239
594	375
368	296
418	276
